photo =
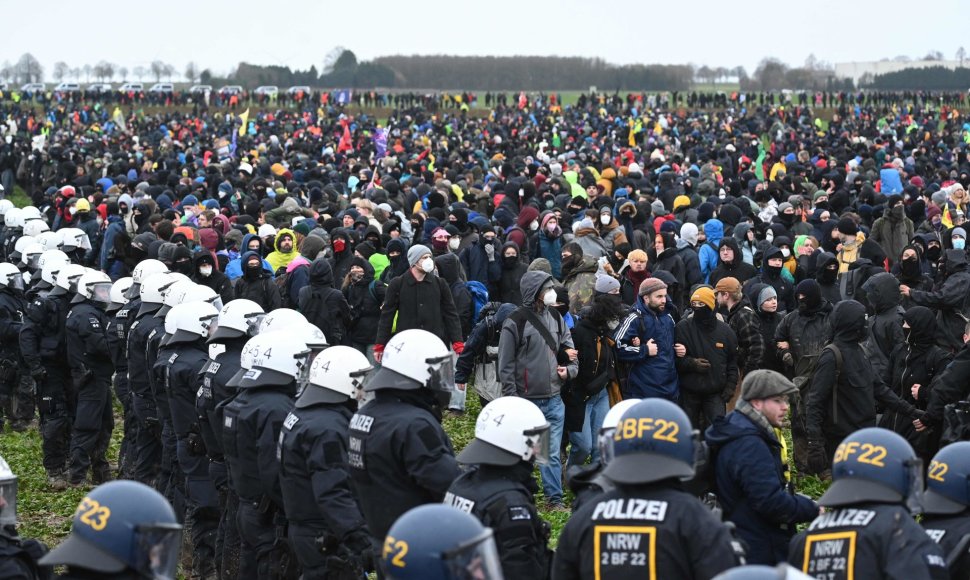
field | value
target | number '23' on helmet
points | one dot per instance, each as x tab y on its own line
122	526
653	441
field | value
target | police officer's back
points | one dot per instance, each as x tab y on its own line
250	432
327	529
647	527
120	314
12	309
18	556
867	531
121	530
588	481
946	506
511	435
399	454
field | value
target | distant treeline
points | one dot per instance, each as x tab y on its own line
935	78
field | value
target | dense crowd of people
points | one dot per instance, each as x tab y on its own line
643	301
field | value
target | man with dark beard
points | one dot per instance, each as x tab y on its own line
709	370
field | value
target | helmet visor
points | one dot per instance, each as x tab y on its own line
442	373
914	499
475	560
157	550
605	443
16	281
537	443
8	502
31	260
101	293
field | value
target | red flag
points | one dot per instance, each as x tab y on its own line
345	140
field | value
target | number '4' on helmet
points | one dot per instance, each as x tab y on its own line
508	430
336	375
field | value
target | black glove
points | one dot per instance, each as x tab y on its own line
362	547
700	365
818	459
154	427
195	444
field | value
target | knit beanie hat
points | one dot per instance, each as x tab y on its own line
415	252
766	294
704	294
651	285
847	226
606	284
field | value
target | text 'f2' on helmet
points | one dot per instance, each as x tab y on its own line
10	276
8	495
874	465
948	480
151	291
279	358
119	293
94	286
610	421
653	441
50	263
189	322
415	359
508	430
439	542
122	526
67	279
236	319
336	374
143	270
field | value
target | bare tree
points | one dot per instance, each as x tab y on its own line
60	70
721	73
168	70
933	55
158	69
902	58
331	59
29	70
104	70
139	72
123	72
87	72
961	55
76	73
6	71
191	72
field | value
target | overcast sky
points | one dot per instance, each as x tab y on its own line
299	33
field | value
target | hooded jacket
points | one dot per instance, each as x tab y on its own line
740	235
892	231
714	230
364	297
692	265
751	486
260	289
449	269
857	389
783	287
508	289
426	304
715	342
916	360
580	282
279	259
340	262
323	305
948	300
474	260
527	367
234	269
827	276
650	376
736	268
216	280
886	323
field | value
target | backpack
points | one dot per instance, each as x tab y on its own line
282	281
313	305
479	297
804	380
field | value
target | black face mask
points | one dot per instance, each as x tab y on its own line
704	315
910	268
252	272
822	205
933	253
773	271
827	275
509	262
570	263
787	218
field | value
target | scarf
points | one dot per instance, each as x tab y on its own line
761	421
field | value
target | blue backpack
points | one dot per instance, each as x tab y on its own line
480	295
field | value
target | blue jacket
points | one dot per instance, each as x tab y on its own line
115	226
650	376
550	249
891	183
714	230
750	484
477	267
234	268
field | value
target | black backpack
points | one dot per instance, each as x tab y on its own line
282	281
313	305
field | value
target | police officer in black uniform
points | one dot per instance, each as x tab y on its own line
18	556
120	317
412	386
186	327
511	436
946	506
868	531
588	481
89	357
250	433
43	348
647	527
148	442
327	529
236	325
12	308
121	530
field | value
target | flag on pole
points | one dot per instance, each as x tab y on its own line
345	143
244	117
380	143
119	119
947	219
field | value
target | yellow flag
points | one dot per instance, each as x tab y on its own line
245	122
119	118
947	219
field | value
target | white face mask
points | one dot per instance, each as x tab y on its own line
453	243
769	235
549	298
534	226
785	252
72	210
427	265
205	271
605	219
